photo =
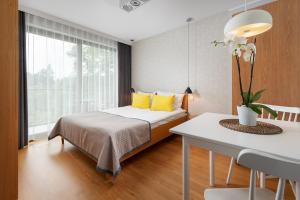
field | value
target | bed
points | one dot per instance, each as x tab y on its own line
114	135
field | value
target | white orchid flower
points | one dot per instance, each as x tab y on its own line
247	56
252	47
235	49
249	49
241	40
237	46
237	52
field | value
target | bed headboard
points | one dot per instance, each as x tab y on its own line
185	103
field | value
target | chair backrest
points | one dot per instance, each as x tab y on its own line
270	164
284	113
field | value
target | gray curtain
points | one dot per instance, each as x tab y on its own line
23	111
124	60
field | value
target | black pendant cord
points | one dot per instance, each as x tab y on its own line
188	50
188	89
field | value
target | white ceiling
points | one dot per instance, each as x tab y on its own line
154	17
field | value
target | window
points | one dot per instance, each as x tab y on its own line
67	73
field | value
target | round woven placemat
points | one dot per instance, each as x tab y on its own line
261	128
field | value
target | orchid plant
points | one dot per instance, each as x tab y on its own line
240	47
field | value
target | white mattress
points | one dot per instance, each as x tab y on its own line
155	118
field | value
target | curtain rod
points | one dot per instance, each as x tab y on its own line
66	22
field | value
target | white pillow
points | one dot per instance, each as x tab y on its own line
178	98
149	93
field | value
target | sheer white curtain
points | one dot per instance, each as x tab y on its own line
69	71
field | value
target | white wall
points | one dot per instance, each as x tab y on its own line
160	63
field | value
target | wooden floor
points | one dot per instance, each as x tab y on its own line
49	170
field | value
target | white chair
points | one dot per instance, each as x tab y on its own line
285	114
259	161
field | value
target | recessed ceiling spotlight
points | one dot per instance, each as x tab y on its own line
132	40
127	8
130	5
135	3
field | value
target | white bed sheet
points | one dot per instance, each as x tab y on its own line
155	118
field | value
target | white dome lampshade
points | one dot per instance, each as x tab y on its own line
249	23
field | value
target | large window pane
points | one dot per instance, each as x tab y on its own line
99	77
67	75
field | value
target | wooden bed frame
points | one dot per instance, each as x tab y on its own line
159	133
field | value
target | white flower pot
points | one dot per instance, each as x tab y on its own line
246	116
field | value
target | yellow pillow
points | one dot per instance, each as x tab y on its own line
162	103
141	101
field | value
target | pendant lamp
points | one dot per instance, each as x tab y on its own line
249	23
132	90
188	89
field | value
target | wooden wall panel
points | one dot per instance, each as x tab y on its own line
278	58
8	99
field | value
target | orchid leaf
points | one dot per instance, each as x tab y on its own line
257	95
269	110
255	108
245	95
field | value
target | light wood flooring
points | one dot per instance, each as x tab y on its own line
52	171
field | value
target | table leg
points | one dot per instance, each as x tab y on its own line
297	190
262	180
186	169
211	169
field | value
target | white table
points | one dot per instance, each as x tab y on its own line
204	131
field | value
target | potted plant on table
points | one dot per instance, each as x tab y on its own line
248	110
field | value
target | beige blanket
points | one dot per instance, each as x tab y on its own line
105	137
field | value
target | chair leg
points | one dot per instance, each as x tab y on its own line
62	140
297	189
211	169
228	180
257	174
252	185
262	180
280	189
293	186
